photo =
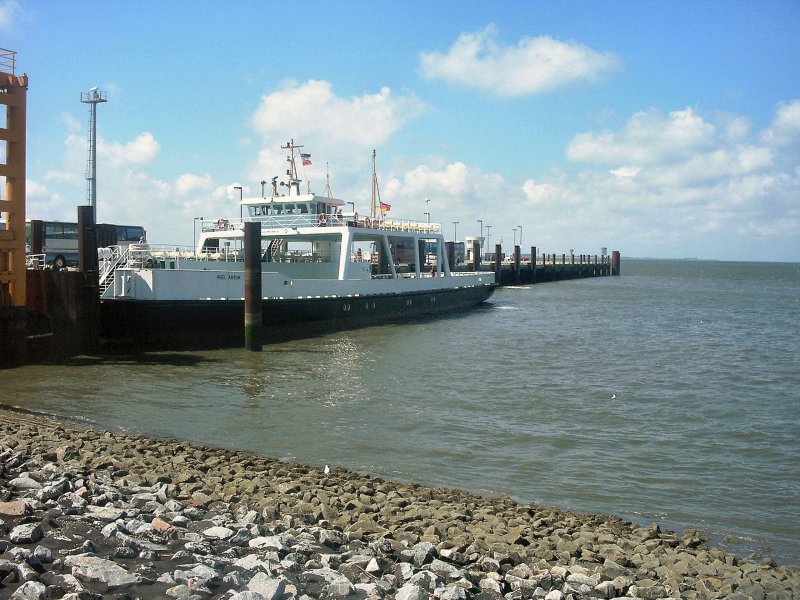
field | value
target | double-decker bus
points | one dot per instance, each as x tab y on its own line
58	241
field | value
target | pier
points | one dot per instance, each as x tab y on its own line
545	267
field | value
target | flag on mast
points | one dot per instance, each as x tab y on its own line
306	158
385	207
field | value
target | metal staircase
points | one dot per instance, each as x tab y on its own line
119	257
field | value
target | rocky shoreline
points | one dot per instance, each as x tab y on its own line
89	514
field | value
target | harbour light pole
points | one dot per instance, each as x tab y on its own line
514	229
428	215
488	235
481	238
93	97
520	234
238	187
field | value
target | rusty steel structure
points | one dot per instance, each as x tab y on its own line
13	98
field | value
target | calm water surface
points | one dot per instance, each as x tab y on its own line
670	394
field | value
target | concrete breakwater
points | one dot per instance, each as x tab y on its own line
90	514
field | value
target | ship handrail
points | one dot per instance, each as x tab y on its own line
320	220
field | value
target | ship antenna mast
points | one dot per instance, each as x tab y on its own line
376	193
292	171
327	191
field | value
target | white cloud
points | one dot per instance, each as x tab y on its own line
677	186
141	150
453	188
312	110
189	183
647	138
534	65
10	14
785	127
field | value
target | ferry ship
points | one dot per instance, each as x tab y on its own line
324	268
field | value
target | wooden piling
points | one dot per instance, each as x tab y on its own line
476	256
516	263
253	319
615	262
533	264
89	320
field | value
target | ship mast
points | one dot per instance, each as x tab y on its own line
376	194
294	181
327	191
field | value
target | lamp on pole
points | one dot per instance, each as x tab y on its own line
238	187
263	183
514	229
520	234
427	214
488	235
455	231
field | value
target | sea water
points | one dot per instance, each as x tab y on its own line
670	394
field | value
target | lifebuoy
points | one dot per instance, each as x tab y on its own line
322	220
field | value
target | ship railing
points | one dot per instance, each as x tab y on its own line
303	220
36	262
290	221
411	226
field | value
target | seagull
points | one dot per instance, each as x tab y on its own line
613	396
326	470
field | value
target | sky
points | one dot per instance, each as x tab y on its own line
660	129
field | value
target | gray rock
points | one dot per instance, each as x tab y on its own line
270	588
422	553
104	513
99	570
30	590
45	555
198	573
247	595
453	592
53	490
443	569
341	588
218	533
181	592
272	542
326	575
252	562
27	533
25	482
411	592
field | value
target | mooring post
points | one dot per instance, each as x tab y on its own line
88	265
253	320
533	264
615	266
476	256
498	263
517	256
